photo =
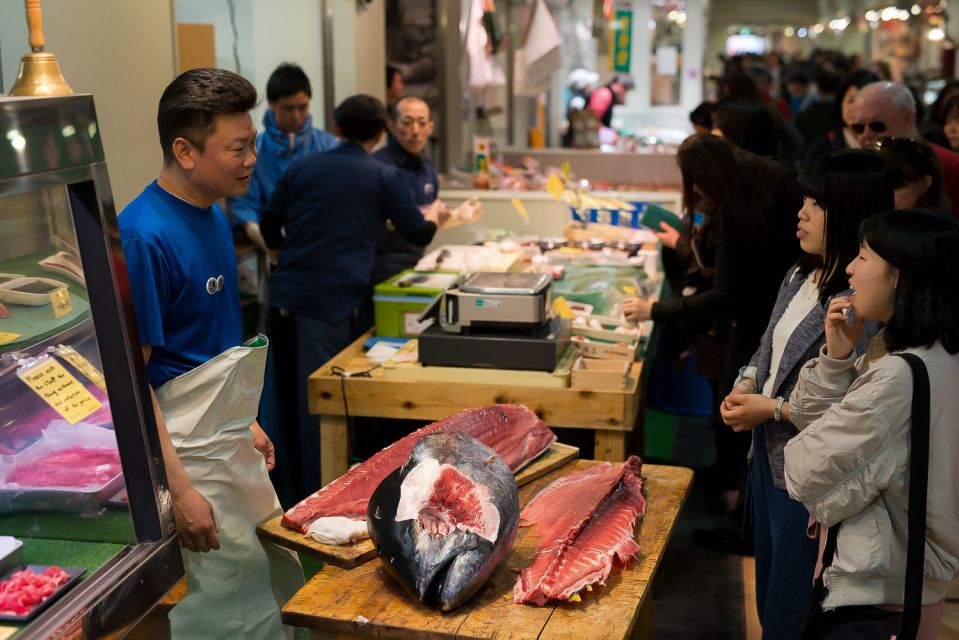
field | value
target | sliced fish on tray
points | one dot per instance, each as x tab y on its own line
511	430
445	520
584	522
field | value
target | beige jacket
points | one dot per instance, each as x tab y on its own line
849	464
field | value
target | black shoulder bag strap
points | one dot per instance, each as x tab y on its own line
918	484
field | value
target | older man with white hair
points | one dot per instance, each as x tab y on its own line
888	109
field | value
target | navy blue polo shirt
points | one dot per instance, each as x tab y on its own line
332	210
418	173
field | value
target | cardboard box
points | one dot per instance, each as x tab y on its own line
600	375
605	350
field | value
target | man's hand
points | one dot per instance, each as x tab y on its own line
667	235
745	411
195	522
253	233
438	213
262	443
637	309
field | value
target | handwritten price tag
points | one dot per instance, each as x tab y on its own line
555	186
60	390
6	337
83	365
60	300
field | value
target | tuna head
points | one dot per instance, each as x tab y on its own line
444	520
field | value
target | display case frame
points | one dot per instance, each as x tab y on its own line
55	142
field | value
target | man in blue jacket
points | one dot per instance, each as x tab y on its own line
288	135
327	217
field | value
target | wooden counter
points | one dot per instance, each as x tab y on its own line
611	414
366	602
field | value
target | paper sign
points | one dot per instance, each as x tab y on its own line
521	209
60	300
667	61
83	365
8	337
554	186
60	390
7	632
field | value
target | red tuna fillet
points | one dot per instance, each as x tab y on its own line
585	524
511	430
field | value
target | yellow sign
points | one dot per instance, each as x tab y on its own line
555	186
7	632
8	337
60	390
521	209
565	169
60	299
83	365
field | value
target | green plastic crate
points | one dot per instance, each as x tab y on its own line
396	307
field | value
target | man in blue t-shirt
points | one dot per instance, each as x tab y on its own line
326	218
181	266
179	252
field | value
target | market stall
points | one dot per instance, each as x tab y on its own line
84	512
364	601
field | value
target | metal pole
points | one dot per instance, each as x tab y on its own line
329	100
510	58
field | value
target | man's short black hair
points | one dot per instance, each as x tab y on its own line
360	118
391	72
287	80
191	104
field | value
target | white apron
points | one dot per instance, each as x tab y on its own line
237	591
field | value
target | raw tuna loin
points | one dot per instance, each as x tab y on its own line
73	467
511	430
444	521
585	524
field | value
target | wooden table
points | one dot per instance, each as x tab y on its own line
366	602
611	414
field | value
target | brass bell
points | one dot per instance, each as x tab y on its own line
39	73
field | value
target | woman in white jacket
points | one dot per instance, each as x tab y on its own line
850	461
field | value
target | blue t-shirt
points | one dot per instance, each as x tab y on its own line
182	270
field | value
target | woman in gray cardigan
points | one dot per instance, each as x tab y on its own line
841	189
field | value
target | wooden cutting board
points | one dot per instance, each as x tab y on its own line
353	555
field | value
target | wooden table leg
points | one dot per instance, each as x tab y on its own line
610	445
334	448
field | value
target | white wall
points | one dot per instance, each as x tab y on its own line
121	51
268	33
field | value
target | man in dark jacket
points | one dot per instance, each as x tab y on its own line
326	219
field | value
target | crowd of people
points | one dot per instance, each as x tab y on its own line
813	409
795	291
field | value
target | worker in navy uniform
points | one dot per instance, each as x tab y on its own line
411	127
327	218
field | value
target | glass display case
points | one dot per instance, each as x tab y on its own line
82	484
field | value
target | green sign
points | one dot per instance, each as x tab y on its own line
621	38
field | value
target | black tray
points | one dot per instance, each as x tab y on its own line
74	574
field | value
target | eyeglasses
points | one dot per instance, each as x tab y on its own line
875	127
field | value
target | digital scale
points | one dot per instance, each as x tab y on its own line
496	320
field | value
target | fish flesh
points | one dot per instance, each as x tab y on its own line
446	519
511	430
585	525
